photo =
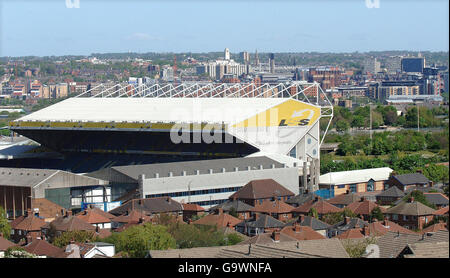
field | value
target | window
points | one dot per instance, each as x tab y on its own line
370	185
405	217
394	217
353	188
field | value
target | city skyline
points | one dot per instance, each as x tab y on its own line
200	26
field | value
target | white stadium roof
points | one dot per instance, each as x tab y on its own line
355	176
186	110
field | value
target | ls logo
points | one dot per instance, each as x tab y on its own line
294	119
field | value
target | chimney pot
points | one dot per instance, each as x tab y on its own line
276	236
220	211
296	227
346	220
69	212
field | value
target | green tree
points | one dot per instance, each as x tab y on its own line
418	197
313	212
136	241
342	126
376	214
78	236
18	252
5	227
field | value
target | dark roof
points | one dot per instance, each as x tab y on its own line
149	205
70	223
437	199
344	199
392	191
310	221
410	208
266	188
263	221
412	178
351	223
239	206
300	199
423	189
132	172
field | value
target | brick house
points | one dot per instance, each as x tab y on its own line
277	209
28	229
243	210
411	215
322	207
390	196
257	191
407	181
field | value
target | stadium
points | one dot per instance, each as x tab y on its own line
124	125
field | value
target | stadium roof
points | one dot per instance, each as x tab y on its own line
355	176
176	110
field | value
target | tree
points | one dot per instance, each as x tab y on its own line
78	236
136	241
5	227
233	212
376	214
342	126
313	212
18	252
418	197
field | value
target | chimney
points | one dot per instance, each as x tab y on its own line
346	220
28	212
97	229
302	218
366	230
296	228
411	200
220	211
276	236
385	222
69	213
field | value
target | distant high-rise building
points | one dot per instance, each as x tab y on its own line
371	65
227	54
256	58
393	64
245	56
272	62
413	64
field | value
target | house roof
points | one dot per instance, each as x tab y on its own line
348	223
410	208
98	211
344	199
436	198
436	227
30	223
427	250
16	221
93	217
43	248
258	189
219	220
192	207
273	207
131	217
392	191
321	206
322	248
351	233
266	238
263	221
392	243
355	176
149	205
47	209
5	244
71	223
300	199
309	221
379	228
363	208
441	211
301	232
238	205
411	178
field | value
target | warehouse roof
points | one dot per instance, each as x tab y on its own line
24	177
355	176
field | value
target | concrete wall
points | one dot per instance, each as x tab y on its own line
287	177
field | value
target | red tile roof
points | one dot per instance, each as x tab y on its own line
436	227
71	223
321	206
441	211
30	223
47	209
269	207
93	217
351	233
192	207
379	228
43	248
261	189
301	232
363	208
5	244
16	221
220	220
133	217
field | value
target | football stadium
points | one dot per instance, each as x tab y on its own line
187	122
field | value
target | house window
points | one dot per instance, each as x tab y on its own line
394	217
405	217
353	188
370	185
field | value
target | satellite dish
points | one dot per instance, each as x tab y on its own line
372	251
